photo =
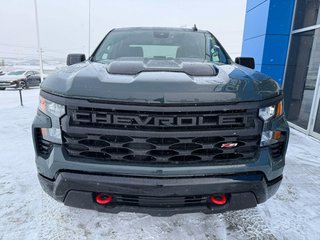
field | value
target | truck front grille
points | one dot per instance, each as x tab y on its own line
161	135
174	150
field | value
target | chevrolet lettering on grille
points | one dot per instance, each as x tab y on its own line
156	121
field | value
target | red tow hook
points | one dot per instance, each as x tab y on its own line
218	199
103	199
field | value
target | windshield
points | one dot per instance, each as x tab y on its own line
16	73
159	44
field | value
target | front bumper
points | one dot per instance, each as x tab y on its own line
8	85
167	196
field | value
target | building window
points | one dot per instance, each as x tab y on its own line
307	13
301	76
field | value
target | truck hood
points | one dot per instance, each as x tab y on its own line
161	82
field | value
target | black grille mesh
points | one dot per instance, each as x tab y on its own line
106	148
160	202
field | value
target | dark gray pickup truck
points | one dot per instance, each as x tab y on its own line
160	121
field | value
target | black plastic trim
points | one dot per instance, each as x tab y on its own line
165	107
78	189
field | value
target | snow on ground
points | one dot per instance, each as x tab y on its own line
28	213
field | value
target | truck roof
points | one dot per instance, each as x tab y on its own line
160	29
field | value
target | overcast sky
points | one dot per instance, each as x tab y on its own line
64	23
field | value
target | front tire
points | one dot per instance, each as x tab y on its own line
23	85
3	88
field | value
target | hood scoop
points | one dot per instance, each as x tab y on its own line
127	67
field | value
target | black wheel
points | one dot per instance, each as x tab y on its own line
3	88
23	85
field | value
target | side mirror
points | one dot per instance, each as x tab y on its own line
246	61
75	58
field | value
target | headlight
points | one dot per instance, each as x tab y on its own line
269	137
51	108
267	113
54	111
271	111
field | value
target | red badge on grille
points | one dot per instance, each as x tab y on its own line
229	145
